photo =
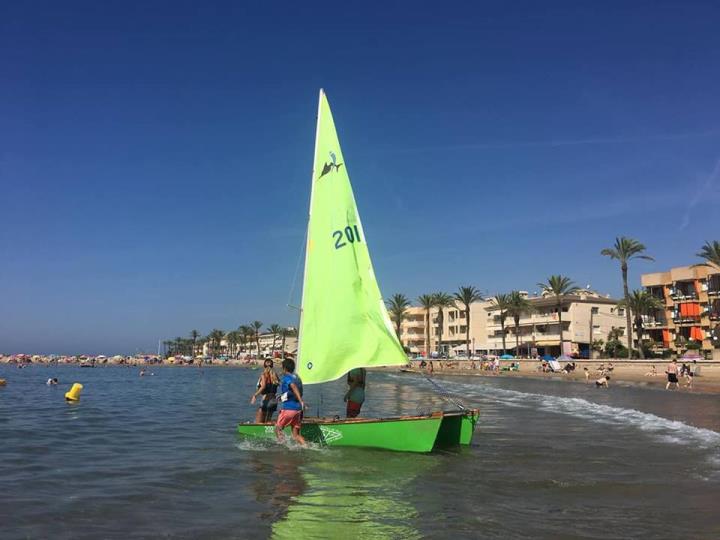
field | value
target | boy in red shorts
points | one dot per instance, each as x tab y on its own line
291	391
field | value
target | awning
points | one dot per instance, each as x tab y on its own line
545	343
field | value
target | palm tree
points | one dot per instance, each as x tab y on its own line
640	303
286	332
178	345
466	296
215	338
246	334
232	338
559	286
256	326
398	305
441	301
711	253
275	330
624	250
519	305
426	302
194	335
502	303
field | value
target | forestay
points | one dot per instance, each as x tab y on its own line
343	322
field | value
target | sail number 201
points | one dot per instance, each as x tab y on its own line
348	235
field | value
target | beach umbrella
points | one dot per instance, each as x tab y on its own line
507	357
548	357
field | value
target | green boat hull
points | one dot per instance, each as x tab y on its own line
401	434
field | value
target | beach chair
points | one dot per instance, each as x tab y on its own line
555	366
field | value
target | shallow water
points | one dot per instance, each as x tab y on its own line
157	456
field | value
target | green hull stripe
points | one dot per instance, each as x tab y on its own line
402	435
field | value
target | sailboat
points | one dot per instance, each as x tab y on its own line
343	320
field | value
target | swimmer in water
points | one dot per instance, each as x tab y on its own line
602	382
52	382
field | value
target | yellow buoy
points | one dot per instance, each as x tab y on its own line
74	393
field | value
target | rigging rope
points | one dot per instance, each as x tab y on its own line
297	269
444	393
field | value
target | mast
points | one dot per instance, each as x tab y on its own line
307	232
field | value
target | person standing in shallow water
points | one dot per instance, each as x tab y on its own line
355	396
672	375
291	392
267	387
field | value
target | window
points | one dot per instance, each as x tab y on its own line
595	310
621	311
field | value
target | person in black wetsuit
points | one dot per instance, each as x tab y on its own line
267	387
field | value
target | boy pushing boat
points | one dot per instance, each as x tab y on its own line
291	391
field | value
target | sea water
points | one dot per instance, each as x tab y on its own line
157	456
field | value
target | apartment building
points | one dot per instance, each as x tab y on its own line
586	316
539	330
412	330
690	316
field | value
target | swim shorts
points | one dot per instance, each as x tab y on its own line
672	377
353	409
288	417
268	405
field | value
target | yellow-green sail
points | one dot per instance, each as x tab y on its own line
343	322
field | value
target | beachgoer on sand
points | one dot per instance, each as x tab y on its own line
689	378
672	375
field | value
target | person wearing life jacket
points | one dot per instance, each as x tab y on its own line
291	392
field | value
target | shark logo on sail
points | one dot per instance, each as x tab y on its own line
333	164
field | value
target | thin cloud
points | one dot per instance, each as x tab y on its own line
703	192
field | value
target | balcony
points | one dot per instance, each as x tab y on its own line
714	315
684	319
413	324
654	323
680	296
713	293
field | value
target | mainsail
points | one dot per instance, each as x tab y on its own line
343	322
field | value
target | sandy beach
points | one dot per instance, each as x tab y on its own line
624	372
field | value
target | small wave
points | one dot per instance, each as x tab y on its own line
249	444
664	429
254	445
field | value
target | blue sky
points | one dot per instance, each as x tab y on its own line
155	156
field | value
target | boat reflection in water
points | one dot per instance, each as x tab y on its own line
349	493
